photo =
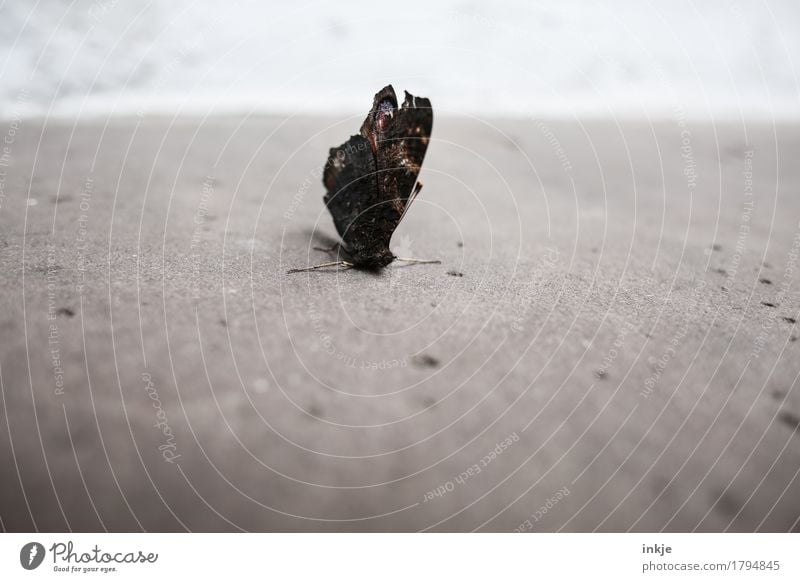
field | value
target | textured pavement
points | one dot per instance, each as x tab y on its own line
609	343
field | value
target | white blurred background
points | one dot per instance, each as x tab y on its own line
711	59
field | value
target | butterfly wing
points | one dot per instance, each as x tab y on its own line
370	178
352	198
402	138
351	183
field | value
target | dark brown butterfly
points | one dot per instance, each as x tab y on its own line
371	179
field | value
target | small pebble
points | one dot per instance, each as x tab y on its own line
424	360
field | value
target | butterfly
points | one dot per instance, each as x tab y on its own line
371	180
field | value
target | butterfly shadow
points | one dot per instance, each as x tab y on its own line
320	240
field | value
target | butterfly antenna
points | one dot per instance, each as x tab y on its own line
322	266
419	261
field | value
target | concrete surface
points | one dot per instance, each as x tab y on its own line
607	345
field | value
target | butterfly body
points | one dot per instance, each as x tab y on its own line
371	179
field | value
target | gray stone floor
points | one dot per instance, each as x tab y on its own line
609	343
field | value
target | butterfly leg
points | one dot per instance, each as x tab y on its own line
412	196
322	266
329	250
